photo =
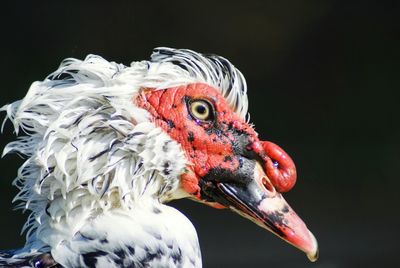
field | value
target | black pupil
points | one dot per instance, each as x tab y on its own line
201	109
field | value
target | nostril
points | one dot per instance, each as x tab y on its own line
268	185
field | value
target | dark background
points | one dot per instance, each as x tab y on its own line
322	79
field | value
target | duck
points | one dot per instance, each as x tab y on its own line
107	146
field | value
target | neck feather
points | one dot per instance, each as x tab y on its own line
90	150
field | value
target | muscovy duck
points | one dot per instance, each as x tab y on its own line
107	146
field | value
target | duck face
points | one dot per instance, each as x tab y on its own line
229	166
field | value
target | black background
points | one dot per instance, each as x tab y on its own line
323	81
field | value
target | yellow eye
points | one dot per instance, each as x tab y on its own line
201	110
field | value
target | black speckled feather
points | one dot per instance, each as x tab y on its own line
8	259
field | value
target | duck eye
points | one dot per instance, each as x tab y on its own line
201	110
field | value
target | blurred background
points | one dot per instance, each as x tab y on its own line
323	78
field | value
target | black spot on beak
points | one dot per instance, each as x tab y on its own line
243	174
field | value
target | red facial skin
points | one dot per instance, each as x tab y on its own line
283	175
211	144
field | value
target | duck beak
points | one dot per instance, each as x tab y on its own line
258	201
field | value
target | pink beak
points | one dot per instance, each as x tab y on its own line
261	203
